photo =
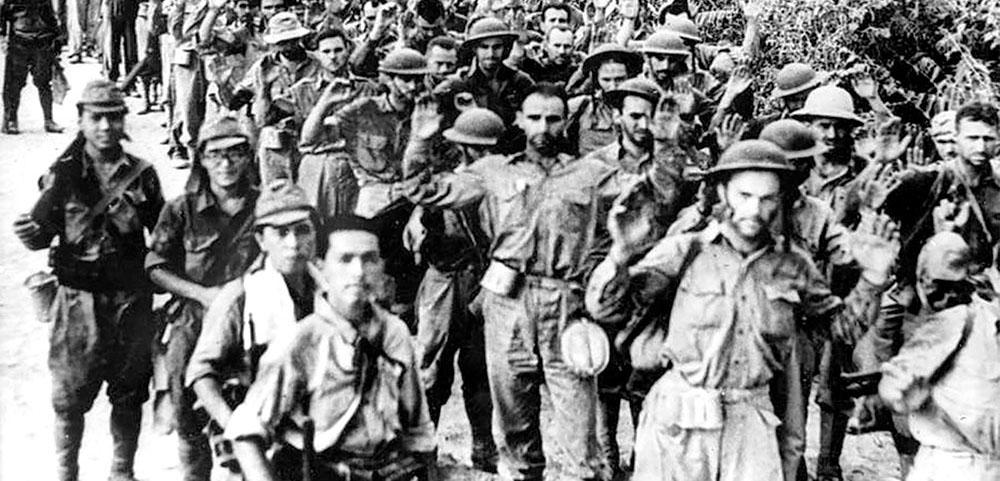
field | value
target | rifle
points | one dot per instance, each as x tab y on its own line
308	450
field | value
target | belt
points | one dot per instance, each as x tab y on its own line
739	396
552	283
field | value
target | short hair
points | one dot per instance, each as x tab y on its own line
978	112
557	29
334	32
343	223
547	89
558	6
443	41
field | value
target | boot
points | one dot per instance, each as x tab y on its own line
832	430
45	98
126	422
69	435
10	121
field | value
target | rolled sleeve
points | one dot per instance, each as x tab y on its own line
218	353
167	239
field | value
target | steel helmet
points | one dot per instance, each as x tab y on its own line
794	78
793	137
945	256
829	102
403	61
488	27
607	51
681	25
665	42
751	155
584	347
639	87
476	126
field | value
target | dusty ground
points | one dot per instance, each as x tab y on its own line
26	444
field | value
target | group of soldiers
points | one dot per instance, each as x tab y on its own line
588	200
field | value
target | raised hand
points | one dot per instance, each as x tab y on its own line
217	4
874	246
890	147
864	85
876	190
739	81
729	131
630	220
425	120
629	8
339	90
683	94
666	120
752	9
915	154
951	217
26	229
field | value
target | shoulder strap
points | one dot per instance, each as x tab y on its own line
114	193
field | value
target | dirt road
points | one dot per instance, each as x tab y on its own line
26	444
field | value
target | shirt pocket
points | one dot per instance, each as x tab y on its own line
784	304
699	299
198	255
371	152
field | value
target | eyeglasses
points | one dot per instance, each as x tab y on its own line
215	157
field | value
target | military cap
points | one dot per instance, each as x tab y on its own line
102	96
683	26
284	26
665	42
829	102
639	87
749	155
221	133
281	203
488	27
476	126
793	137
794	78
945	256
608	51
403	61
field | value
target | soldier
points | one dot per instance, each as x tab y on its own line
442	59
188	77
942	133
544	208
97	199
348	370
281	85
490	83
667	64
592	121
945	376
792	85
34	39
254	310
732	320
202	241
558	60
453	244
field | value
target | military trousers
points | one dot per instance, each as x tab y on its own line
522	353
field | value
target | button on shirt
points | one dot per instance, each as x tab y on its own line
196	238
546	222
593	123
734	317
270	80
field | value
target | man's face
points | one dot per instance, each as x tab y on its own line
472	153
288	48
334	51
554	17
353	266
938	295
610	75
976	142
405	87
442	61
543	120
635	117
560	46
226	166
795	101
102	130
945	145
269	8
288	247
837	135
665	67
753	199
489	53
242	9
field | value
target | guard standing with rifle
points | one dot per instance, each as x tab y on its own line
34	39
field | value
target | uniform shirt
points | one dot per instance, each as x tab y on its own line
734	317
592	123
196	239
544	70
376	135
503	95
325	366
184	21
546	222
270	83
31	20
113	239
